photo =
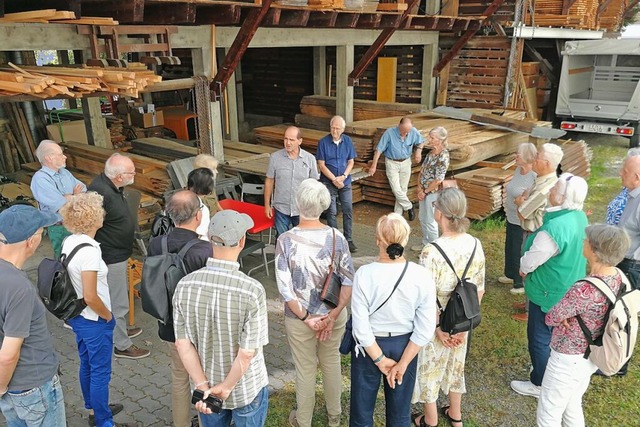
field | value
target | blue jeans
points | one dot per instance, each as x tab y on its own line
252	415
539	336
345	196
95	347
283	222
41	406
631	269
428	223
365	382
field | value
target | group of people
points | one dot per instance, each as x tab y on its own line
220	322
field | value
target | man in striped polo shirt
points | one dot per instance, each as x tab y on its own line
220	321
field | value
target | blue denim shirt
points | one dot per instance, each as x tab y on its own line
394	147
336	156
49	188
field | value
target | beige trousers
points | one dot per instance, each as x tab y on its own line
180	390
399	174
307	353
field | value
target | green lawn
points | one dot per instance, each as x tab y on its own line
499	346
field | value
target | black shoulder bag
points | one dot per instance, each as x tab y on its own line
348	342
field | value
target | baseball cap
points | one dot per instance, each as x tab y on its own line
228	227
19	222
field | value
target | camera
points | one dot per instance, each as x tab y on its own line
212	402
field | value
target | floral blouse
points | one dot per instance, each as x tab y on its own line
616	206
584	299
434	168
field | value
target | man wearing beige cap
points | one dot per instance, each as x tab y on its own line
30	390
220	322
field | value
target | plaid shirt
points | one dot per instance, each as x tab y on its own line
220	309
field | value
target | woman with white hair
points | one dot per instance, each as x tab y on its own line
442	367
568	373
551	263
314	329
521	182
432	173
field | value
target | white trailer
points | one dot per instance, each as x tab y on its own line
599	90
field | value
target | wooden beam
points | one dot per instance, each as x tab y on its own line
238	48
566	5
218	14
390	21
347	20
124	11
294	18
322	19
173	13
462	41
25	5
272	18
376	47
95	124
370	20
630	8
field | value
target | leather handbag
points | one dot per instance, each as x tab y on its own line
348	342
333	283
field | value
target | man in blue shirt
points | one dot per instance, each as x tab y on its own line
52	185
335	156
397	144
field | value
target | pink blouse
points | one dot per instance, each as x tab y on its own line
584	299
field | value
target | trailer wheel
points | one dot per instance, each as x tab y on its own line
634	141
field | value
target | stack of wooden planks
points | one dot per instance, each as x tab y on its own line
46	16
273	136
16	141
484	190
317	110
577	157
54	81
151	174
162	148
583	14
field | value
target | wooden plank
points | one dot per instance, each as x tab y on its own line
386	81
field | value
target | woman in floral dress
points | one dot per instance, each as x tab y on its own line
441	367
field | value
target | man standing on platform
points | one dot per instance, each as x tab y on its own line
397	144
287	169
116	239
336	156
51	186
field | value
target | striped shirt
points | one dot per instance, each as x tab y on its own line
220	309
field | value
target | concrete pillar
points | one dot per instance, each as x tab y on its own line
429	60
320	70
344	92
97	133
231	104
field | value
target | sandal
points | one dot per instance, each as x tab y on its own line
418	416
445	412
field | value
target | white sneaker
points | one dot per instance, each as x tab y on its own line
526	388
505	280
517	291
417	248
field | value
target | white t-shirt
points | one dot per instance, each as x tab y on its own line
203	228
88	258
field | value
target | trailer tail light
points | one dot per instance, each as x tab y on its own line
624	131
568	126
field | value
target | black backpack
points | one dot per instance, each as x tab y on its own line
55	287
462	312
160	276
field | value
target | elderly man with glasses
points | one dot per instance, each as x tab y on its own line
51	187
116	239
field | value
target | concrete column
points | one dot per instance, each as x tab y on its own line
231	104
97	133
429	60
344	92
320	70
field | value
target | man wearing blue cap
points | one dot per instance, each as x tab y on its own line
30	391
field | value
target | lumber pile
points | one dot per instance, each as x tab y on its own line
151	177
484	190
47	16
583	14
324	107
162	148
16	141
54	81
272	136
577	157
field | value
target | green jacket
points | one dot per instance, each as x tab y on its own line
548	283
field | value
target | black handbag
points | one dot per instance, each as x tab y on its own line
333	283
348	342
